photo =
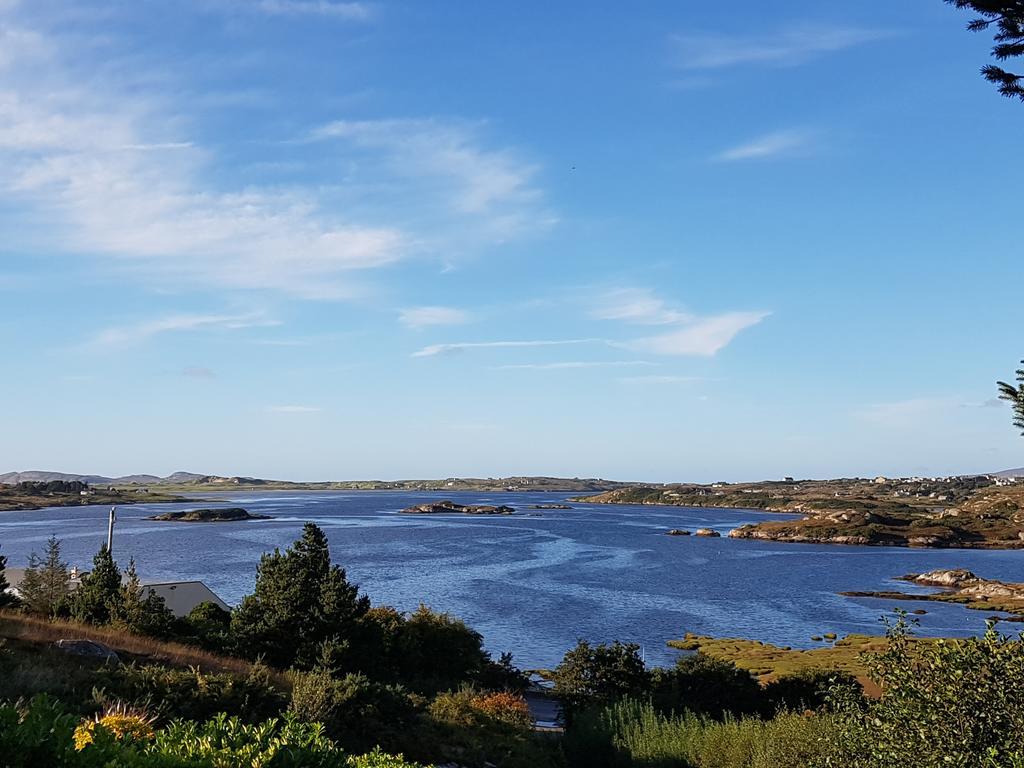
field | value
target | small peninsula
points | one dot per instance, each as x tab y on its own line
963	587
450	507
229	515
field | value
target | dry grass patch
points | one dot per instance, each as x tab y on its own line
36	631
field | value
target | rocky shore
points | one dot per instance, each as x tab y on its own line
962	587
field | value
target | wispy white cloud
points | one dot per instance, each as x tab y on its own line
636	305
423	317
494	192
790	46
142	331
347	11
668	379
772	145
573	364
294	409
117	177
691	334
704	336
441	349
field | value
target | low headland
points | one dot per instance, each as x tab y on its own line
61	493
955	512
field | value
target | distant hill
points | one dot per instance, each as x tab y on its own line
1010	473
37	476
189	481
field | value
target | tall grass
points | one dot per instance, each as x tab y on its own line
633	733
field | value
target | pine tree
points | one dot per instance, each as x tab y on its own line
6	598
98	597
1007	16
1014	394
140	610
44	587
302	610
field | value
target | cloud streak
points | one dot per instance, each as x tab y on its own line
443	349
573	365
135	334
424	317
346	11
703	337
786	143
790	46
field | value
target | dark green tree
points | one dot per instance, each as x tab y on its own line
44	587
98	598
596	675
706	686
6	598
209	625
1014	395
140	610
1007	16
303	611
439	652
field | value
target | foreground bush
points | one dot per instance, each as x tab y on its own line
948	704
42	734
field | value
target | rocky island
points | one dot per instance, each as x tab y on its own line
451	507
963	587
229	515
955	512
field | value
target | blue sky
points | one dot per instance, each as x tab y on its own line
321	240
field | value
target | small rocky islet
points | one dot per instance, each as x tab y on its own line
453	508
228	515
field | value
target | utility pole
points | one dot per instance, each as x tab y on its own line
110	530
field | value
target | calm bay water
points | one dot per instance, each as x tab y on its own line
534	583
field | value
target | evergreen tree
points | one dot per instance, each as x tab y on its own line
139	609
99	596
44	588
6	598
1007	16
1014	394
303	610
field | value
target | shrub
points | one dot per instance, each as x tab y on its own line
706	686
356	711
189	693
591	675
807	689
949	703
508	708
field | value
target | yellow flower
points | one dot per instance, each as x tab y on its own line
84	735
120	722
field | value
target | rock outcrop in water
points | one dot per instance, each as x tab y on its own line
451	507
230	515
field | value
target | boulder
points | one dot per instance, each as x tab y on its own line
678	532
706	532
88	648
